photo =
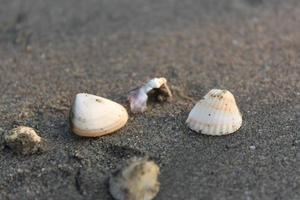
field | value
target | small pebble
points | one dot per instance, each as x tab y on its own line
28	49
24	140
252	147
138	180
77	155
235	42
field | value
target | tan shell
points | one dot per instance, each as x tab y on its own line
215	114
24	140
93	116
138	180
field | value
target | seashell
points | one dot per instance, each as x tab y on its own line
215	114
24	140
138	97
93	116
138	180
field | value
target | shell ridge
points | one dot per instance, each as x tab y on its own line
215	114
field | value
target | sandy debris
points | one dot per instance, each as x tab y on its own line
137	180
24	140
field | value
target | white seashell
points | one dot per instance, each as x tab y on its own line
138	180
93	116
138	97
215	114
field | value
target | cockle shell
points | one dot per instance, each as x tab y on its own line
138	180
138	97
93	116
215	114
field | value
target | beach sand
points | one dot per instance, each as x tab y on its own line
51	50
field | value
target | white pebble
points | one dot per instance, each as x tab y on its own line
252	147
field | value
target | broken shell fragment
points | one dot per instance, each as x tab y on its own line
155	87
93	116
24	140
215	114
138	180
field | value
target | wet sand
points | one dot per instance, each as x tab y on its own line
51	50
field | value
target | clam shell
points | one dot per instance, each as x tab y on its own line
215	114
93	116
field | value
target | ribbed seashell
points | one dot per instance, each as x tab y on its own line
215	114
137	180
93	116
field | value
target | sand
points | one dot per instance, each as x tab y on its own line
51	50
